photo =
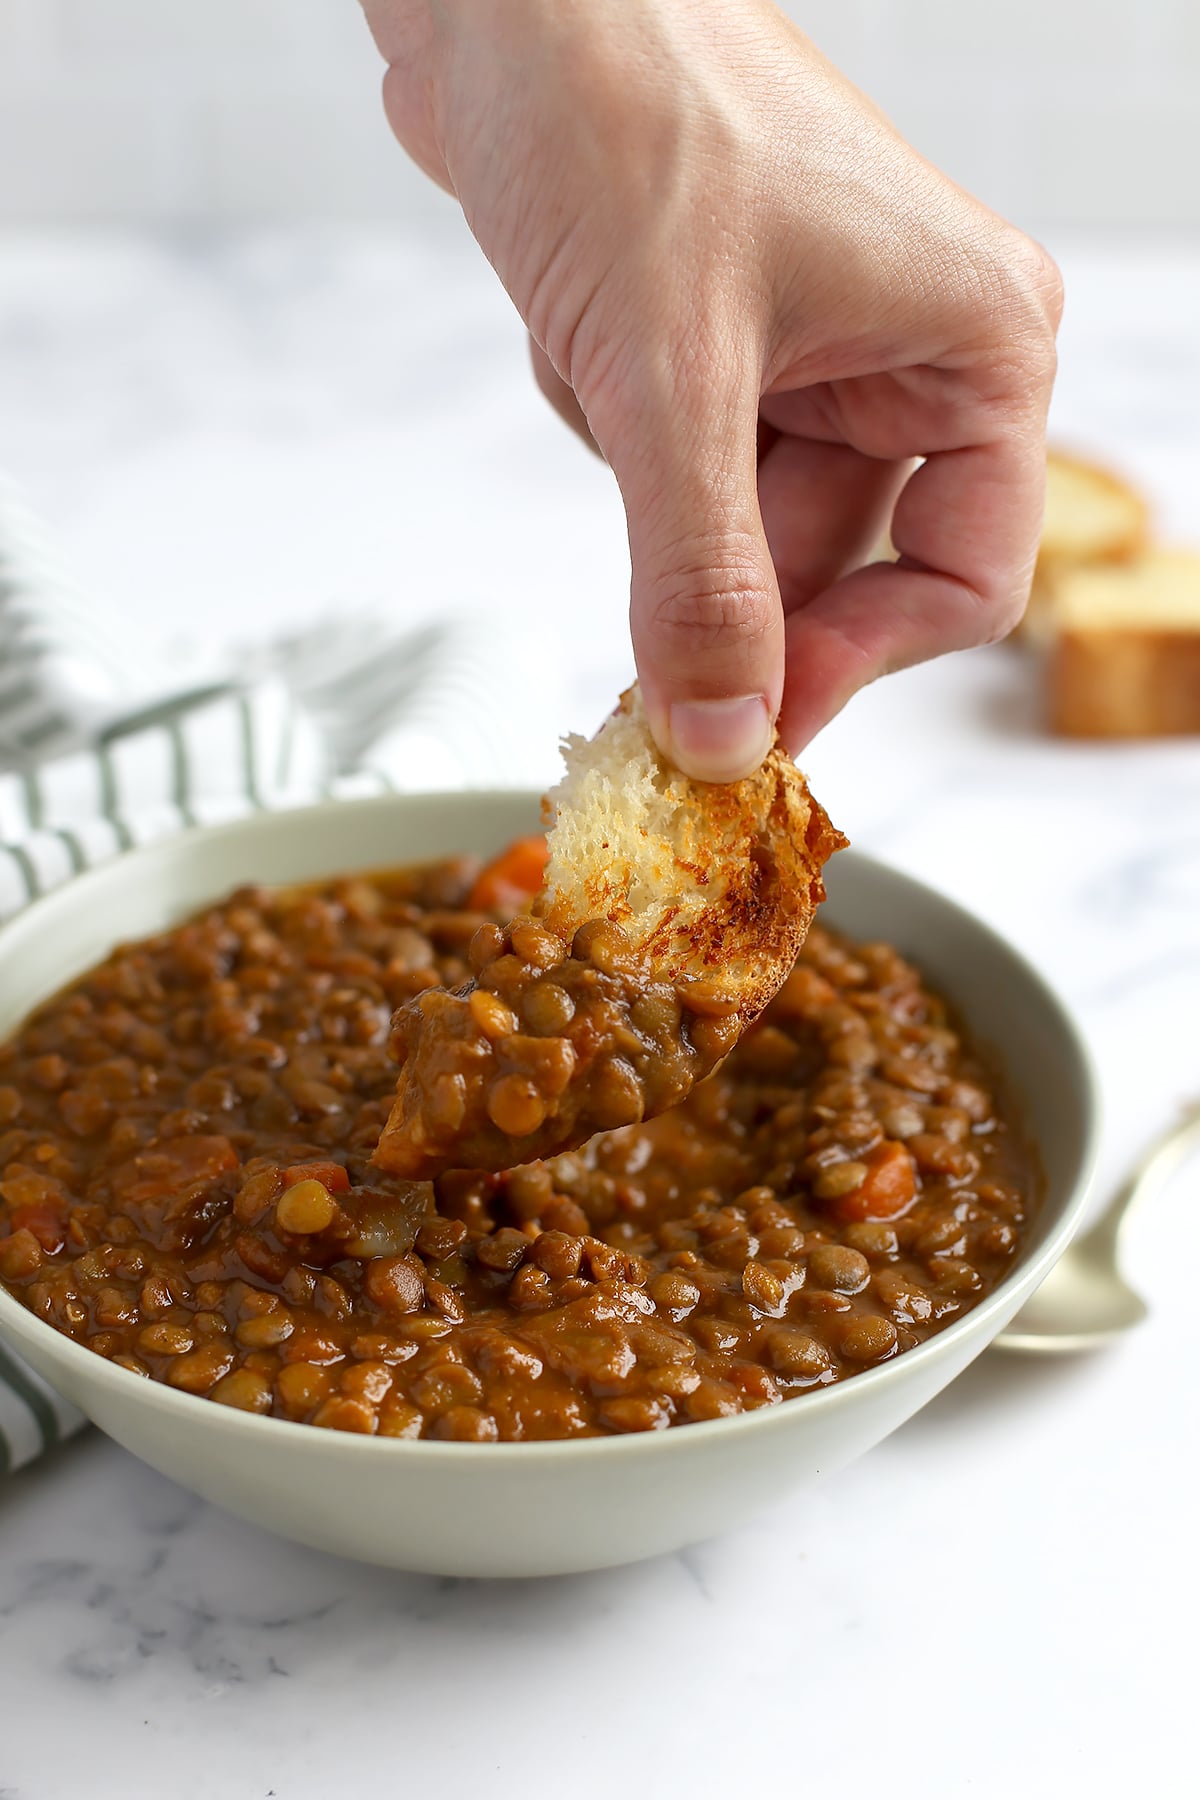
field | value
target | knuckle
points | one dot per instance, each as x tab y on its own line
1048	282
1015	296
713	602
1031	290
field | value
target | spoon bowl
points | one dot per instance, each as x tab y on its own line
1085	1301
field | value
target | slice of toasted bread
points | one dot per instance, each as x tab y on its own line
1124	654
672	912
1092	515
704	880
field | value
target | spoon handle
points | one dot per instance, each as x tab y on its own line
1148	1175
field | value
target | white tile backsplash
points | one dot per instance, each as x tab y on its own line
27	33
219	31
1180	33
1024	36
1054	111
1122	158
69	153
297	154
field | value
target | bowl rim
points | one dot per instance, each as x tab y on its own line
17	1321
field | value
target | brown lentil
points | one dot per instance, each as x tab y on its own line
546	1045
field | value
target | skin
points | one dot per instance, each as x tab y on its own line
762	306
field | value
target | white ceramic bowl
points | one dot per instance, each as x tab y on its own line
535	1509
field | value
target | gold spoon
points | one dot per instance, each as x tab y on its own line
1085	1301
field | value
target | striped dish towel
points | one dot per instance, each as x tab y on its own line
94	761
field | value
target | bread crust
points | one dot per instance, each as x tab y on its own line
1125	684
1123	660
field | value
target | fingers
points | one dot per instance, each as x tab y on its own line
409	110
825	508
704	602
559	393
966	528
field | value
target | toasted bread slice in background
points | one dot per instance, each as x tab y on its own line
704	880
672	912
1092	515
1124	653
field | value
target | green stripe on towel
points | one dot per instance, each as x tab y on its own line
110	799
181	772
43	1413
25	863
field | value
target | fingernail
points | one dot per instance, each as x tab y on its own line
720	740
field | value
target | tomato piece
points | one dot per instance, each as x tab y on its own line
43	1221
166	1168
512	878
889	1189
331	1175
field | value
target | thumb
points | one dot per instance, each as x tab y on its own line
705	611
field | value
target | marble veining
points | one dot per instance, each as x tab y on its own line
233	435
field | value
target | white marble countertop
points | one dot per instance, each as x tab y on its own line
1004	1593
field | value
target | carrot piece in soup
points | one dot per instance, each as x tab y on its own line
889	1189
331	1175
510	879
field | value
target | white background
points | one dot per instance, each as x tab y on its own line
1054	111
254	428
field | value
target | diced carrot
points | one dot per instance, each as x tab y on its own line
331	1175
889	1189
512	878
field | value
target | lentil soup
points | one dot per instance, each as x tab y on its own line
187	1187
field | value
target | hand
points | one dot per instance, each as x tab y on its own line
762	305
